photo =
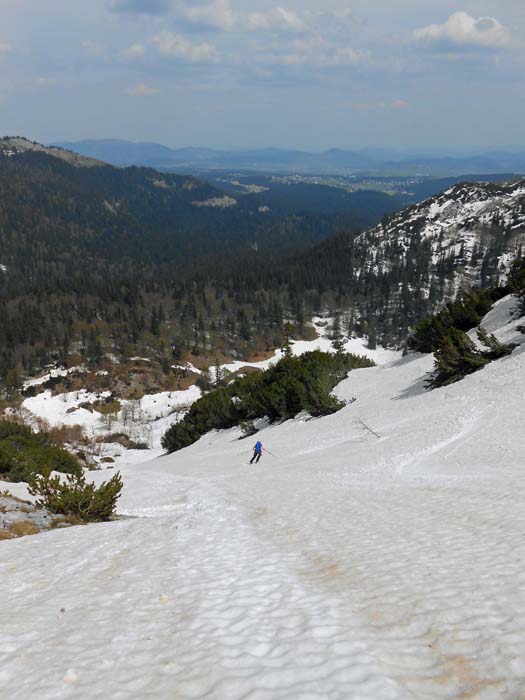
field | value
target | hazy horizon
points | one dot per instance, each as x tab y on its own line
429	151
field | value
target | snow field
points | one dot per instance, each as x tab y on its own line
147	419
53	374
348	567
357	346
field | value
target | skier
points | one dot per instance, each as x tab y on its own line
257	452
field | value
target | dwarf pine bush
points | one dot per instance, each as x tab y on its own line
292	385
457	356
517	283
76	498
463	314
24	453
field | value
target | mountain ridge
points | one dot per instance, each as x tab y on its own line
14	145
373	160
467	236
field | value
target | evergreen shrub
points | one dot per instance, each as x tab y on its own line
463	314
24	453
457	356
292	385
517	283
76	498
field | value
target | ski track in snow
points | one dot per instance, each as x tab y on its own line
350	567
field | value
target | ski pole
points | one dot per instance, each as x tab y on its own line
270	453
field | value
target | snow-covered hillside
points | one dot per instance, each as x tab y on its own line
378	555
414	261
474	230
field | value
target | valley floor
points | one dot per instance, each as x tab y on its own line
353	565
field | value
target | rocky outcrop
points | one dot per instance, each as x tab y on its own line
19	518
420	258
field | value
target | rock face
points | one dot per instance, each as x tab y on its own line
477	229
421	257
19	518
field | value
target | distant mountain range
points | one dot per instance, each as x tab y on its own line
371	160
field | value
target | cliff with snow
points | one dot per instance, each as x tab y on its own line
421	257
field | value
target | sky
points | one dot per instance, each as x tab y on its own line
432	75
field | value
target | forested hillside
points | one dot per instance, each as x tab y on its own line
96	259
100	264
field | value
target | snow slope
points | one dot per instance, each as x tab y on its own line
419	258
144	420
322	326
476	223
352	566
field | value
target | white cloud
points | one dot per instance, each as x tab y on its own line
328	56
134	51
400	104
5	47
316	51
217	15
147	7
342	16
93	50
45	82
463	30
276	19
142	90
178	46
348	57
220	15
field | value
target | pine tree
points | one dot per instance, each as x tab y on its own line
517	282
337	335
12	381
64	354
286	345
94	347
204	380
154	323
218	374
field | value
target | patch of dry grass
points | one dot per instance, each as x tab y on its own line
14	498
69	519
23	528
